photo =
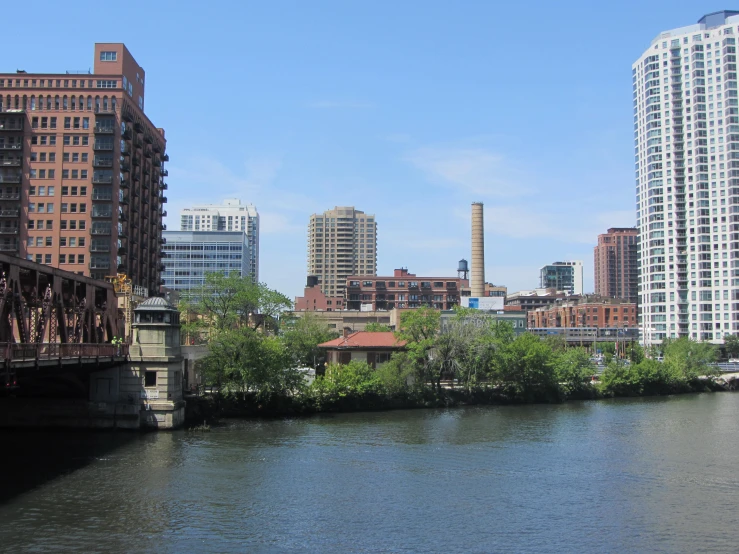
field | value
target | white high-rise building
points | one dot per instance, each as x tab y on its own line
686	130
229	216
341	242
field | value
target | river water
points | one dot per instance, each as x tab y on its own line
643	475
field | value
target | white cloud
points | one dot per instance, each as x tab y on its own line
273	223
474	170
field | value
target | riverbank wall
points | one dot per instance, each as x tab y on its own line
209	408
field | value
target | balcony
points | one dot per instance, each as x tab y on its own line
163	186
16	179
102	179
165	157
9	230
121	268
99	247
102	162
8	248
125	167
127	116
105	146
122	201
15	147
11	163
124	184
126	134
10	195
164	213
163	199
102	214
13	128
104	130
104	231
165	173
100	264
138	127
10	213
102	196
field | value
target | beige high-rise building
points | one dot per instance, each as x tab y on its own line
341	242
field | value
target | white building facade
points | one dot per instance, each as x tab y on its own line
229	216
686	134
566	276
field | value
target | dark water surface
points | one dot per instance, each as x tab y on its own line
647	475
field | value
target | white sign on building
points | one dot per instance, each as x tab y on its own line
494	303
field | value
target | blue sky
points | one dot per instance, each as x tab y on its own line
410	110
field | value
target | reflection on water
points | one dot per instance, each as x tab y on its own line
609	476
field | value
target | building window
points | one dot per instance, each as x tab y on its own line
108	56
150	379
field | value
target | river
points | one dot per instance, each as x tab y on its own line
635	475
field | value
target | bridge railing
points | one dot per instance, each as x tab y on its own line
54	351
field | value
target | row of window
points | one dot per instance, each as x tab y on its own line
72	242
58	103
64	224
42	207
68	140
58	83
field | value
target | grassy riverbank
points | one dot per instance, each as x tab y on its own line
212	407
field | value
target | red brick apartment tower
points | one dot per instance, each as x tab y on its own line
616	271
81	170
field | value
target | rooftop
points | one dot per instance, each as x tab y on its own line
366	339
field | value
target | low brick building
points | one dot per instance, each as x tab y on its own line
585	311
403	290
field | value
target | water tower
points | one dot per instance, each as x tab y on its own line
463	269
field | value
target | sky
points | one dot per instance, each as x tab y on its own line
408	110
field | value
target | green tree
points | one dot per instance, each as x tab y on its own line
246	361
526	364
229	301
301	339
689	358
731	343
375	327
572	368
419	329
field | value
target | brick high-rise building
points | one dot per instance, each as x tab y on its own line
616	259
341	242
81	170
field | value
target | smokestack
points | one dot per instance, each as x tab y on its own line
477	283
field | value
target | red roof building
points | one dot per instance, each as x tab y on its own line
363	346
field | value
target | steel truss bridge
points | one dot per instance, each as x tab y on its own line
52	318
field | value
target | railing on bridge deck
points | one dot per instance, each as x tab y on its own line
55	351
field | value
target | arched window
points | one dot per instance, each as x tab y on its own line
74	103
82	102
105	103
48	102
113	103
33	102
56	102
65	103
89	102
97	104
40	101
25	102
17	102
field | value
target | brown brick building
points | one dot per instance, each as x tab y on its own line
81	170
616	258
403	290
585	311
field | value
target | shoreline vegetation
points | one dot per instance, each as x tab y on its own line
253	370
